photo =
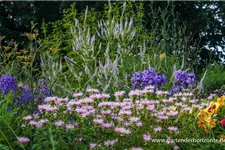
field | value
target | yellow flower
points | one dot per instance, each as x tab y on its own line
212	123
174	108
191	110
161	56
202	115
202	125
213	108
221	100
222	138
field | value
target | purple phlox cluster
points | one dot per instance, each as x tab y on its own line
136	80
43	90
147	78
7	83
174	89
185	79
26	96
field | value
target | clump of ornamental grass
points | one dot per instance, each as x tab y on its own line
92	121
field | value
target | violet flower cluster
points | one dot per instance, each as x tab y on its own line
184	80
42	91
147	78
7	83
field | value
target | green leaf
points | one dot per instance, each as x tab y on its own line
4	147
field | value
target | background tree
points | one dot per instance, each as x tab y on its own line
204	21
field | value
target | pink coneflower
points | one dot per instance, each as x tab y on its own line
92	145
23	126
157	129
163	117
98	121
23	140
145	91
92	90
147	137
155	102
134	119
186	108
119	93
176	147
126	124
183	99
125	113
36	124
150	107
165	101
178	104
105	96
77	95
50	99
136	148
133	93
110	143
198	106
138	124
86	100
107	125
69	126
192	101
126	100
159	92
97	96
122	130
61	101
172	113
106	112
210	96
47	107
79	139
71	103
59	123
26	118
173	129
127	107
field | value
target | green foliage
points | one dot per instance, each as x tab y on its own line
214	78
10	120
104	49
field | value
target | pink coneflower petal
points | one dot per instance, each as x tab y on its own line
23	140
147	137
